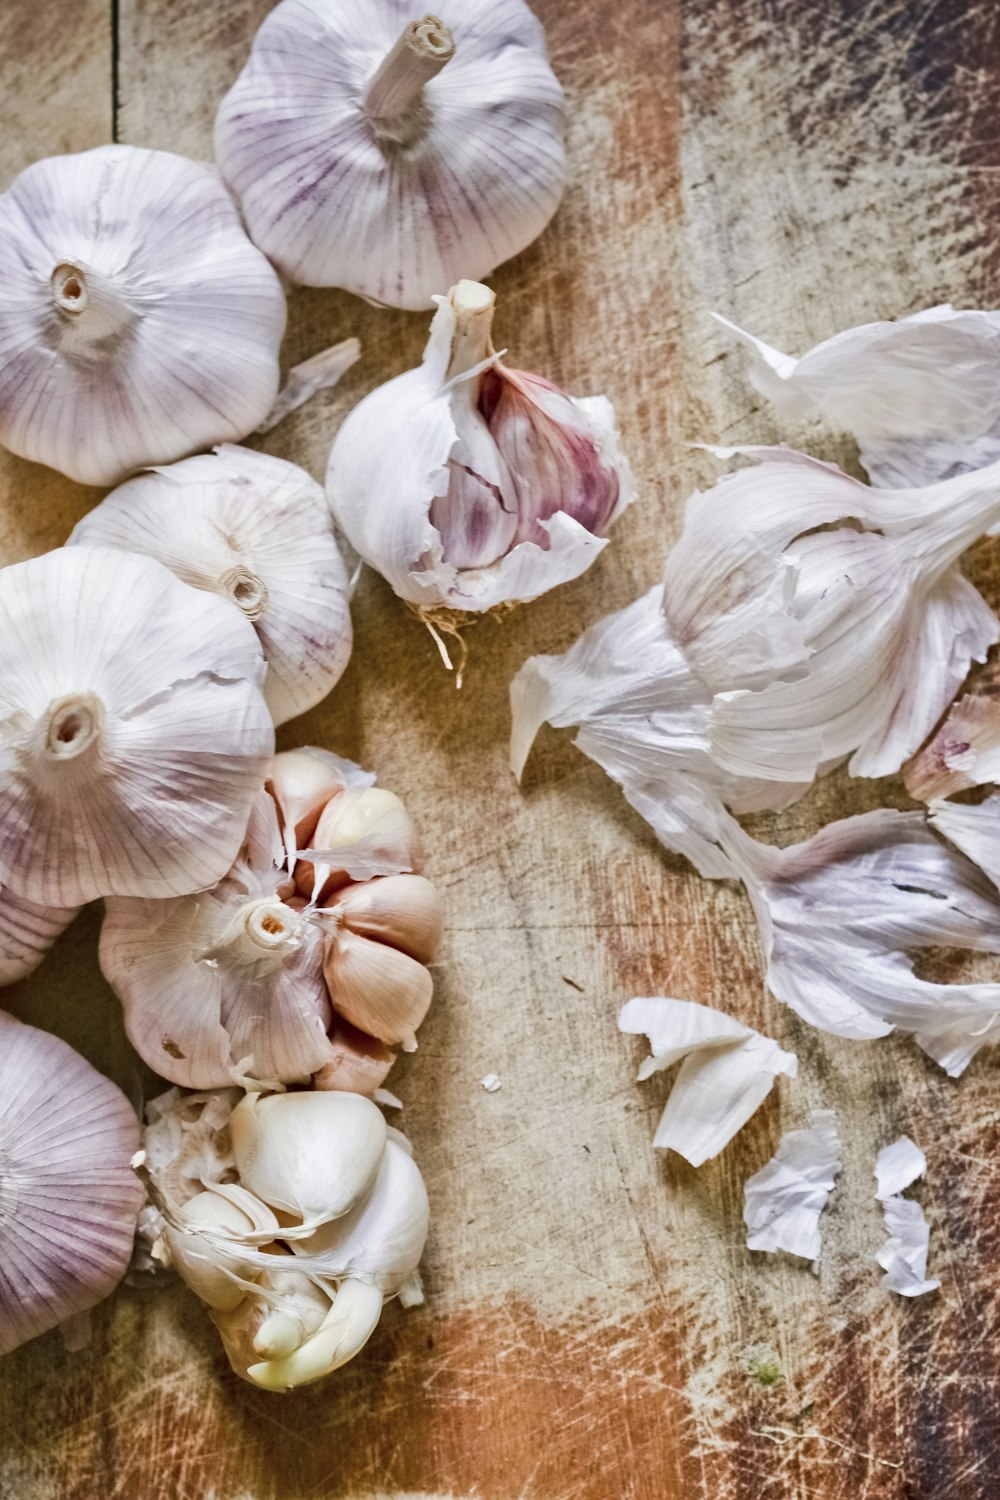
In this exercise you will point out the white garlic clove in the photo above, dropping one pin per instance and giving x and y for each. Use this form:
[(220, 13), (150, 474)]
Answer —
[(302, 782), (203, 1262), (311, 1154), (69, 1199), (361, 833), (496, 486), (138, 323), (378, 989), (254, 530), (402, 910), (383, 1239), (27, 932), (359, 1063), (391, 159), (350, 1323), (133, 730)]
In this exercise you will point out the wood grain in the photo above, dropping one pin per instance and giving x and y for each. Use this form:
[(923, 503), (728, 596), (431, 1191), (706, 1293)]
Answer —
[(594, 1319)]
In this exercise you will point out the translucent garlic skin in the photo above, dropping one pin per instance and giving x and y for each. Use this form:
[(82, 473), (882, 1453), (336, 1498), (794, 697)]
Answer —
[(446, 169), (255, 530), (137, 321), (468, 485)]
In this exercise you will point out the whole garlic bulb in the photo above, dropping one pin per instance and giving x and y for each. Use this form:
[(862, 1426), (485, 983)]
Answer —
[(255, 530), (137, 321), (133, 730), (469, 485), (68, 1197), (392, 158)]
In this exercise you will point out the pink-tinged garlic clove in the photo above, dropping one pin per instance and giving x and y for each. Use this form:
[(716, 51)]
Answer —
[(360, 1063), (402, 910), (361, 833), (377, 988), (302, 782)]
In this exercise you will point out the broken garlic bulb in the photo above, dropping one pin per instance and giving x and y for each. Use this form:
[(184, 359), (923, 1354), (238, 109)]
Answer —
[(137, 321), (255, 530), (468, 485), (133, 729), (391, 158)]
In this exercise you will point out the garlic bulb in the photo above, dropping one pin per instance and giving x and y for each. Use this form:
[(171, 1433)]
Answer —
[(255, 530), (27, 932), (68, 1197), (495, 485), (392, 158), (293, 1297), (134, 730), (137, 321)]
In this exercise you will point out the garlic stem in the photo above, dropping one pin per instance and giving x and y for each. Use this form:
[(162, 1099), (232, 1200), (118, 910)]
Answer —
[(72, 724), (266, 926), (246, 590), (473, 305), (93, 305), (69, 288), (393, 99)]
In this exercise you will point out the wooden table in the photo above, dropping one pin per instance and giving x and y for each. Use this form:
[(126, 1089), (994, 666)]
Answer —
[(594, 1322)]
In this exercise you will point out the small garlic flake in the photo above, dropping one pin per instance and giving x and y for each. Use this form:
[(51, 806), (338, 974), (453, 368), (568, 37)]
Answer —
[(784, 1200), (491, 1082)]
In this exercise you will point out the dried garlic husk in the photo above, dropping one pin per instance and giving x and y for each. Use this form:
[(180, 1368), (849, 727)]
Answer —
[(137, 321), (495, 485), (27, 932), (296, 1296), (903, 1257), (255, 530), (897, 1167), (727, 1072), (963, 752), (921, 395), (392, 158), (68, 1197), (782, 1202), (134, 729)]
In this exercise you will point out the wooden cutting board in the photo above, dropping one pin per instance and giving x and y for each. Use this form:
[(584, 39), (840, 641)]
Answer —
[(595, 1328)]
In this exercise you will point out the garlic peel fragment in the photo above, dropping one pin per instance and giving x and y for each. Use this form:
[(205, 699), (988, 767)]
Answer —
[(964, 752), (784, 1200), (897, 1167), (728, 1071), (321, 372), (973, 830), (903, 1257)]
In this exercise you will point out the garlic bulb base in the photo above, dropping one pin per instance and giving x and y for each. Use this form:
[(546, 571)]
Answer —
[(72, 724), (247, 591), (394, 98), (69, 288)]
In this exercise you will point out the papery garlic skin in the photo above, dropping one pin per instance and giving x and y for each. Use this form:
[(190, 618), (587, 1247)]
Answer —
[(494, 486), (137, 321), (782, 1203), (255, 530), (27, 932), (134, 734), (68, 1197), (391, 159)]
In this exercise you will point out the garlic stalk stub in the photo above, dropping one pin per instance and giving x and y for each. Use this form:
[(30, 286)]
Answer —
[(255, 530), (389, 153), (68, 1197), (133, 728), (137, 321), (469, 485)]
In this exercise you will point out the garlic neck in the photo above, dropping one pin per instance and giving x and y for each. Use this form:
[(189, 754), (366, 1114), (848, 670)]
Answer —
[(90, 307), (70, 727), (394, 96), (265, 928), (246, 590), (473, 305)]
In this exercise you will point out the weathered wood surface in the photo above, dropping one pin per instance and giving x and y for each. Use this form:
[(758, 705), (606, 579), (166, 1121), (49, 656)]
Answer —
[(592, 1310)]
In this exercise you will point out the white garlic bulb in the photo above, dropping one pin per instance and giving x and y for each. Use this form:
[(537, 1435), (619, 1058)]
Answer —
[(133, 730), (27, 932), (255, 530), (393, 158), (68, 1197), (137, 321), (469, 485)]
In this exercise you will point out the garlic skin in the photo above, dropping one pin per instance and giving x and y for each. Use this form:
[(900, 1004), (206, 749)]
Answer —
[(133, 730), (367, 828), (494, 487), (391, 158), (782, 1203), (27, 932), (68, 1197), (137, 321), (254, 530)]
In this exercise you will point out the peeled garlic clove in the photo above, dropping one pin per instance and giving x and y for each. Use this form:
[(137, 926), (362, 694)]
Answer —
[(402, 910), (69, 1199), (302, 782), (377, 988), (359, 1064), (362, 832), (496, 486), (138, 322), (383, 1239), (202, 1261), (255, 530), (133, 729), (391, 159), (350, 1323), (27, 932), (311, 1154)]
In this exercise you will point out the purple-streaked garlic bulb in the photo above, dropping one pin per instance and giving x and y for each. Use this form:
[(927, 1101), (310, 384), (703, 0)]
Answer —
[(389, 153), (27, 932), (69, 1199)]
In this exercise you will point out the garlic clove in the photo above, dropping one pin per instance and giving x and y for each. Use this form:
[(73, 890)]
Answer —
[(350, 1323), (27, 932), (391, 159), (402, 910), (201, 1261), (361, 833), (302, 782), (311, 1154), (133, 732), (138, 322), (359, 1063), (254, 530), (69, 1199), (383, 1239), (377, 988)]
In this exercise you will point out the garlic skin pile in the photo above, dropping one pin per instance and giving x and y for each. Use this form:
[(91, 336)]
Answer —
[(27, 932), (68, 1197), (294, 1297), (137, 321), (255, 530), (495, 486), (389, 154), (133, 729)]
